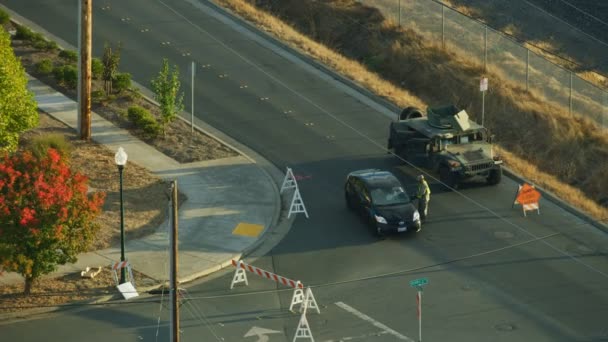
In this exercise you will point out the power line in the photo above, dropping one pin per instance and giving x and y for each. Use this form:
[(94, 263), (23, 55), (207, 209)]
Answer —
[(585, 12)]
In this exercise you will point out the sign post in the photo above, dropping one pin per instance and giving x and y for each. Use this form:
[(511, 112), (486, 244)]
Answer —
[(483, 87), (418, 284), (192, 99)]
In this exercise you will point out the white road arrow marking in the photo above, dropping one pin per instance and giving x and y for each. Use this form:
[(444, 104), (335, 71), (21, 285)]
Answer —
[(261, 333)]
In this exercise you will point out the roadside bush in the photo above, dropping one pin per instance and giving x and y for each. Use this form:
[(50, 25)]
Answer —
[(121, 82), (43, 44), (40, 145), (24, 33), (97, 95), (44, 67), (66, 75), (96, 68), (58, 73), (143, 119), (70, 76), (4, 17), (134, 94), (69, 56)]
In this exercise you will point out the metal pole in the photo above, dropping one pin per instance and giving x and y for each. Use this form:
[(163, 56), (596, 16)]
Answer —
[(443, 26), (419, 315), (85, 70), (122, 227), (483, 106), (79, 91), (571, 77), (192, 99), (399, 13), (485, 50), (527, 68), (174, 257)]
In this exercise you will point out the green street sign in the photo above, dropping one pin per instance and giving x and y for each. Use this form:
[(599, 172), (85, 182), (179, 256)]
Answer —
[(419, 282)]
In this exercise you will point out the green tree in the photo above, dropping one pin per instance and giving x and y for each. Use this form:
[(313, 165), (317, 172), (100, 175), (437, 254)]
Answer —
[(110, 61), (46, 215), (166, 91), (18, 109)]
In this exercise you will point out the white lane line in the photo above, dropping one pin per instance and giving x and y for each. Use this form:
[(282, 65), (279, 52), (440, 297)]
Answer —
[(373, 322)]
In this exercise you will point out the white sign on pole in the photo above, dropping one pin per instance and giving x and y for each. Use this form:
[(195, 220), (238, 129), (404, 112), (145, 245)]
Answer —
[(483, 84)]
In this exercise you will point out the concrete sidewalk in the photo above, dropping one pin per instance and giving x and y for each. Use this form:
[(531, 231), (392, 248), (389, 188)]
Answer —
[(223, 195)]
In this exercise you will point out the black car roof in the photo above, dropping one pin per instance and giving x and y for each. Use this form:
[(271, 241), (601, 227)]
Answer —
[(375, 177)]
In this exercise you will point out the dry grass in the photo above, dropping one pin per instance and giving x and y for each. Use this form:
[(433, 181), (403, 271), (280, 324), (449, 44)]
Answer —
[(567, 154), (552, 50)]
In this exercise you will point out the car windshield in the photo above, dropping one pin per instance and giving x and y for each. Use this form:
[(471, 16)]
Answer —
[(389, 195)]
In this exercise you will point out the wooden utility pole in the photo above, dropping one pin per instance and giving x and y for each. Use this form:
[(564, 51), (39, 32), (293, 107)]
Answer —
[(174, 288), (86, 50)]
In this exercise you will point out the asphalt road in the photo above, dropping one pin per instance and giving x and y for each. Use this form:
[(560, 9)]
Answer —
[(493, 273)]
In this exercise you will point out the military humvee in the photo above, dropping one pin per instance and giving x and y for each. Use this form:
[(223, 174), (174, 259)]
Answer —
[(447, 142)]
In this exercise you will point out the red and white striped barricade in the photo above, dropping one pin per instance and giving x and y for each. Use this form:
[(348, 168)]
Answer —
[(299, 297)]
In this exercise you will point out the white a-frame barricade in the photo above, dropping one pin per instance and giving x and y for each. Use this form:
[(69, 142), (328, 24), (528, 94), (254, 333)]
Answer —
[(303, 330), (289, 182), (297, 204), (305, 298)]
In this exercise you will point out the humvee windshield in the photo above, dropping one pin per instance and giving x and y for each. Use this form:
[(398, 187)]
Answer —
[(462, 139)]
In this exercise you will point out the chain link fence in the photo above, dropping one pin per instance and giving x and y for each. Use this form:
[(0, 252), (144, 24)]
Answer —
[(500, 53)]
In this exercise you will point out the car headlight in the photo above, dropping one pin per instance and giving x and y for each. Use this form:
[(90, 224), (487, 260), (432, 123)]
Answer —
[(380, 219), (416, 216)]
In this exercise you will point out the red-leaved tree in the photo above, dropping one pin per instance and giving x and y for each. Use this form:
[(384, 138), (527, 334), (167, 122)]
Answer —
[(46, 215)]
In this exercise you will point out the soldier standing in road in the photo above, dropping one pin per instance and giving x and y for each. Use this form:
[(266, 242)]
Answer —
[(424, 196)]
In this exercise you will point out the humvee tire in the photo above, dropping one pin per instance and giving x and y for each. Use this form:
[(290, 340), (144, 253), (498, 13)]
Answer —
[(447, 178), (410, 113), (495, 176)]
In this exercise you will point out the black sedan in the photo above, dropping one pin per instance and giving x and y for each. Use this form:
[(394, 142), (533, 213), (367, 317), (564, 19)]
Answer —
[(380, 198)]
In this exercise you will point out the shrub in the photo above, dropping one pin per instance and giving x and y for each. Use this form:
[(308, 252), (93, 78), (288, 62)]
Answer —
[(96, 68), (144, 120), (133, 94), (24, 33), (70, 56), (4, 17), (40, 145), (58, 73), (121, 82), (97, 95), (66, 75), (70, 76), (44, 44), (44, 67)]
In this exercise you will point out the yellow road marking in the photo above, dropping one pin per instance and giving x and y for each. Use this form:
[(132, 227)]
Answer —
[(248, 229)]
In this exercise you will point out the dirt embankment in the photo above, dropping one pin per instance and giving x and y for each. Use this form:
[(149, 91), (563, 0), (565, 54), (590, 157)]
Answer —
[(566, 154)]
